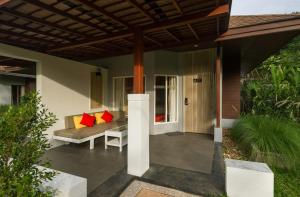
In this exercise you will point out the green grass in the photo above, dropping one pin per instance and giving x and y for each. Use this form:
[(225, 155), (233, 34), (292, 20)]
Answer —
[(279, 141), (287, 183), (268, 139)]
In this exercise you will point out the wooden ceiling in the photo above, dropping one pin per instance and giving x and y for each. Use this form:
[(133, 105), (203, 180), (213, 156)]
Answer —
[(91, 29)]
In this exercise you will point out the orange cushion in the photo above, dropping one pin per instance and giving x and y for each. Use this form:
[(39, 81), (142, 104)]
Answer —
[(77, 120), (99, 119)]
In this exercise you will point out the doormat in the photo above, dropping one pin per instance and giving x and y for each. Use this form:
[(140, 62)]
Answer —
[(143, 189)]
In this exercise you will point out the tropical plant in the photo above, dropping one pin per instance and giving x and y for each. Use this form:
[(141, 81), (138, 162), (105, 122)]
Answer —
[(22, 143), (273, 88), (272, 140)]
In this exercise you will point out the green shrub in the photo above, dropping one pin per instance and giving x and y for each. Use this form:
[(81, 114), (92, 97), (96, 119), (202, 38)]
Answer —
[(273, 88), (274, 141), (22, 143)]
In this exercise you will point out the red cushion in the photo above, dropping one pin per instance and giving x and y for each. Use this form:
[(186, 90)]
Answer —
[(159, 118), (107, 117), (87, 120)]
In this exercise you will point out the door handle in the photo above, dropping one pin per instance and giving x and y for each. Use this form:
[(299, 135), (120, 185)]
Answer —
[(186, 101)]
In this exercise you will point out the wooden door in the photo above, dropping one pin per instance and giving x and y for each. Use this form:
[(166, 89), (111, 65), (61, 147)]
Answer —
[(198, 82)]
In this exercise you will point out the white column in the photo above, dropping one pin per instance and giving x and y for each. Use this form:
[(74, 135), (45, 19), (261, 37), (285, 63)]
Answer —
[(138, 134)]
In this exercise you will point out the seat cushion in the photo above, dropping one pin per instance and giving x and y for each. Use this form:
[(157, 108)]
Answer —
[(77, 122), (99, 119), (107, 117), (85, 132), (88, 120)]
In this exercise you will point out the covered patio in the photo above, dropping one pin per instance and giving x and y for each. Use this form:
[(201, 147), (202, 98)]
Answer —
[(173, 165), (178, 61)]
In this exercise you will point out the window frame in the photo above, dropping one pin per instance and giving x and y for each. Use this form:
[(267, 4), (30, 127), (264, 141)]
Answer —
[(177, 98)]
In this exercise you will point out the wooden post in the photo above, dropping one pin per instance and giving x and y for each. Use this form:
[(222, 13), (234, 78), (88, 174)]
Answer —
[(218, 88), (138, 82)]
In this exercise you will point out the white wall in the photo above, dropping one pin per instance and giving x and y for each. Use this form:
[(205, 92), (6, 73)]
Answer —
[(64, 84), (156, 62)]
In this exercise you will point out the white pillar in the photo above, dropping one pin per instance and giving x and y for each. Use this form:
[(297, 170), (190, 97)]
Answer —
[(138, 134), (218, 134)]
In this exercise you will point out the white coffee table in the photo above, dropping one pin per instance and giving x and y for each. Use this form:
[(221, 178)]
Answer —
[(119, 136)]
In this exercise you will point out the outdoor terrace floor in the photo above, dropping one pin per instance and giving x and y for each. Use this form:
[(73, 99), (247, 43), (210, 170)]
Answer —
[(188, 162)]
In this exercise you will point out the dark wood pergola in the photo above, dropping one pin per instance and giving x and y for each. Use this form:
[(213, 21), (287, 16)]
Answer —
[(90, 29)]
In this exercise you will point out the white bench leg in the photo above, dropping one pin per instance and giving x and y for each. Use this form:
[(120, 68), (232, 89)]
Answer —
[(121, 144), (105, 142), (92, 144)]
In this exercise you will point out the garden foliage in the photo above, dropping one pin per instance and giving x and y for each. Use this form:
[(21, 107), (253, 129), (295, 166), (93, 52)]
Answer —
[(273, 88), (272, 140), (22, 143)]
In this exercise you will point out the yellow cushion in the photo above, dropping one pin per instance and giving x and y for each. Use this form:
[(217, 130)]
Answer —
[(98, 116), (77, 120)]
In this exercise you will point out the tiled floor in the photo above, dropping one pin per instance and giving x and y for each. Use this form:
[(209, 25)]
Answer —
[(96, 165), (106, 169)]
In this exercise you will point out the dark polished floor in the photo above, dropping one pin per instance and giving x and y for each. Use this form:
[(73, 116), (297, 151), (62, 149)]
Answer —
[(188, 162)]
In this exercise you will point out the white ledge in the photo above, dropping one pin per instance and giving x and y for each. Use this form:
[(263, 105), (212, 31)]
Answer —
[(138, 97), (248, 165)]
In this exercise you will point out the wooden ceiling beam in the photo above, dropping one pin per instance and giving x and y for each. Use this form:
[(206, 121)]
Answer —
[(65, 14), (30, 29), (153, 40), (38, 21), (205, 42), (193, 31), (20, 36), (219, 11), (177, 6), (99, 50), (173, 36), (103, 12), (36, 47), (135, 4), (94, 40), (182, 20)]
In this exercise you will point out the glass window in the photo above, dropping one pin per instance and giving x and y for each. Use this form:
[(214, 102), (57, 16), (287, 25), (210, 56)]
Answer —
[(122, 87), (165, 99)]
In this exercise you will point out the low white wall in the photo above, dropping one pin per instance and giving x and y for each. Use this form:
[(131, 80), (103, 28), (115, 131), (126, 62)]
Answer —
[(228, 123), (64, 84), (248, 179), (65, 185)]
